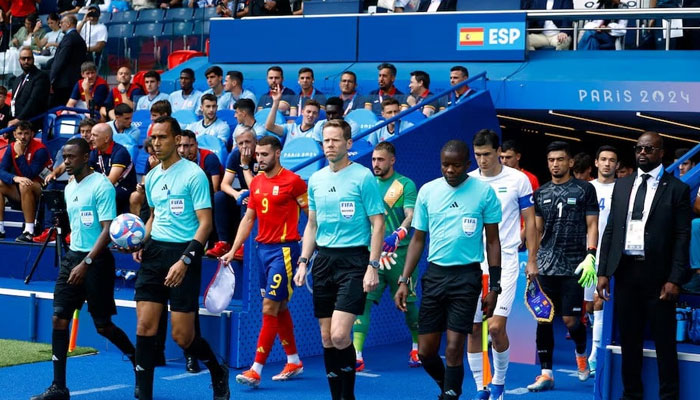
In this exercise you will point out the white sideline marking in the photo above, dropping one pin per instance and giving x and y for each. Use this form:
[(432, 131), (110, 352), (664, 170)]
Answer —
[(98, 390), (569, 372), (520, 390), (367, 374), (184, 375)]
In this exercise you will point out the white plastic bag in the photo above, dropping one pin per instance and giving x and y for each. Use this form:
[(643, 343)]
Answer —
[(220, 290)]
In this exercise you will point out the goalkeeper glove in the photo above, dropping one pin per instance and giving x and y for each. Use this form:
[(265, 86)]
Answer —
[(387, 260), (587, 270), (392, 241)]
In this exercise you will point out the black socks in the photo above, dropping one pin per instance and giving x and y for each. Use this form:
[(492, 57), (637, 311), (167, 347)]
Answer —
[(59, 348)]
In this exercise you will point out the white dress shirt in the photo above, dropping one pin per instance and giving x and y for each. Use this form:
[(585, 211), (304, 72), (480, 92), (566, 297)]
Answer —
[(652, 185)]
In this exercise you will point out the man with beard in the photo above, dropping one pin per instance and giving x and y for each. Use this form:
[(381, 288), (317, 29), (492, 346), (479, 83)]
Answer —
[(123, 93), (385, 80), (187, 98), (31, 95), (277, 196)]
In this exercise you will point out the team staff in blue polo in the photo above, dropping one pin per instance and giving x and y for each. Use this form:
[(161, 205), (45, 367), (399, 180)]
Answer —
[(456, 211)]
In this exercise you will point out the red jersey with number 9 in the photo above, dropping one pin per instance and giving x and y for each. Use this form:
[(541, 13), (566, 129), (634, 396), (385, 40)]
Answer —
[(277, 202)]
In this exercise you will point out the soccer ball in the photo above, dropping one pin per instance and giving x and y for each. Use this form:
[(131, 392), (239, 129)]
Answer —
[(127, 231)]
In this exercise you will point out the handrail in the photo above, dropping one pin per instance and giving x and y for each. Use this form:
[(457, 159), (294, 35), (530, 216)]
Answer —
[(683, 158), (50, 111), (398, 116), (594, 13)]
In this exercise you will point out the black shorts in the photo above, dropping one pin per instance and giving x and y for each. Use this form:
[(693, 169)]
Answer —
[(337, 280), (97, 287), (564, 292), (450, 297), (156, 261)]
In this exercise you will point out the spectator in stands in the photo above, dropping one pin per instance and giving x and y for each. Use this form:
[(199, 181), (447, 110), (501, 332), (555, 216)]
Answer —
[(241, 167), (66, 7), (202, 3), (348, 92), (583, 166), (22, 169), (275, 77), (30, 34), (659, 35), (270, 7), (624, 168), (93, 33), (245, 115), (143, 4), (334, 110), (686, 165), (103, 5), (91, 92), (187, 98), (152, 81), (122, 123), (510, 157), (5, 112), (124, 93), (168, 4), (20, 10), (551, 33), (65, 66), (113, 161), (138, 196), (308, 91), (50, 41), (225, 8), (603, 34), (432, 6), (159, 109), (210, 124), (289, 132), (420, 90), (386, 78), (233, 85), (390, 108), (215, 78), (459, 74), (188, 148)]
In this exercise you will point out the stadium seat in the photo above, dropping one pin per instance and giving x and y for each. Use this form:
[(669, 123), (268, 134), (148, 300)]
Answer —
[(204, 14), (124, 17), (128, 143), (105, 18), (145, 45), (414, 117), (261, 116), (178, 57), (300, 150), (360, 147), (141, 118), (185, 117), (44, 20), (229, 117), (117, 45), (364, 118), (177, 33), (200, 33), (151, 15), (213, 144), (179, 14)]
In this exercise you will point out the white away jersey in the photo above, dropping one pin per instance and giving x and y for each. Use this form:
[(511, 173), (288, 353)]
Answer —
[(604, 195)]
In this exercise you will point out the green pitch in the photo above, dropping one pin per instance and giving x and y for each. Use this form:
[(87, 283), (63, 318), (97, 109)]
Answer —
[(15, 352)]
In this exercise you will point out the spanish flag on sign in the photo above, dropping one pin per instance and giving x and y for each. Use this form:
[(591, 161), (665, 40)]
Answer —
[(471, 36)]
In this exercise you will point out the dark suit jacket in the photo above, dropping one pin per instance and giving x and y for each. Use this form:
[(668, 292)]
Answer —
[(257, 8), (70, 53), (666, 232), (558, 5), (33, 98), (445, 5)]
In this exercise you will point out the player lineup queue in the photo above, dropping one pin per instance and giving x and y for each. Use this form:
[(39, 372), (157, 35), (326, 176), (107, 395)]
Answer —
[(359, 221)]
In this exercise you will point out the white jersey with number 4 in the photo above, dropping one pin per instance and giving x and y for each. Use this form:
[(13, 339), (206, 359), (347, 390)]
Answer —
[(604, 194), (514, 191)]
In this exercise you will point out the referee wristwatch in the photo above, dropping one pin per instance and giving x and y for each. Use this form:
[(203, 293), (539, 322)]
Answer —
[(374, 264), (185, 259), (87, 260), (403, 279)]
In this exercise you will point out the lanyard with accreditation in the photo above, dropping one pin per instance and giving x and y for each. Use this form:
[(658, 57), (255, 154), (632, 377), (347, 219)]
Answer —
[(634, 239)]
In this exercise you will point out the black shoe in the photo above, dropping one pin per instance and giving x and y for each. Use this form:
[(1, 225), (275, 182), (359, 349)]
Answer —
[(221, 390), (160, 360), (54, 392), (191, 364), (25, 237)]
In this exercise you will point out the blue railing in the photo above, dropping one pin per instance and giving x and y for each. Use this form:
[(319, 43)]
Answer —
[(481, 76)]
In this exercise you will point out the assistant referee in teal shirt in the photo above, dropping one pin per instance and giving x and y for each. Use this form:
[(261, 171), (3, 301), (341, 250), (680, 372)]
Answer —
[(456, 211), (345, 211)]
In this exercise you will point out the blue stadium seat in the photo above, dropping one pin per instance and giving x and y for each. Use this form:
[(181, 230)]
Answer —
[(213, 144), (44, 20), (145, 46), (105, 18), (359, 148), (204, 14), (415, 117), (141, 120), (128, 143), (299, 150), (200, 34), (364, 118), (151, 15), (261, 116), (185, 117), (229, 116), (177, 33), (179, 14), (124, 17), (117, 45)]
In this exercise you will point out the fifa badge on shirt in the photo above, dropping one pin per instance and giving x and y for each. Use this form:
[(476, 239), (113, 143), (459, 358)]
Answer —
[(347, 209), (469, 225), (87, 218), (177, 206), (275, 190)]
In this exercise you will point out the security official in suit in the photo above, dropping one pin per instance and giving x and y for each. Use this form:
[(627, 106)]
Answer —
[(65, 66), (31, 93), (645, 247)]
